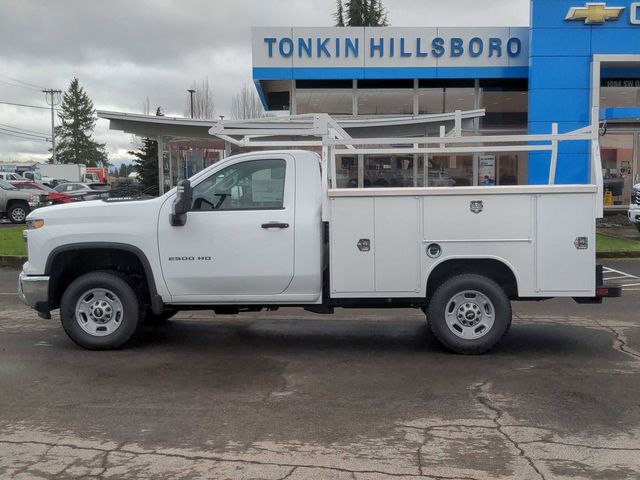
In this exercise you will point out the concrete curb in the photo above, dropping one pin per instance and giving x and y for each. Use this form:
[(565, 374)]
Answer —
[(12, 261), (618, 254)]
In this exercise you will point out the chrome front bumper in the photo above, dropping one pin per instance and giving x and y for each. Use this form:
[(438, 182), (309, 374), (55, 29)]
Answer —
[(34, 291)]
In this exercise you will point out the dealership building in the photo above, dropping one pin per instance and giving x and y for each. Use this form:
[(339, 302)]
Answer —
[(575, 63)]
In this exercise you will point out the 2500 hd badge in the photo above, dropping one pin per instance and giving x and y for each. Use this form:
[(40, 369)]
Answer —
[(189, 259)]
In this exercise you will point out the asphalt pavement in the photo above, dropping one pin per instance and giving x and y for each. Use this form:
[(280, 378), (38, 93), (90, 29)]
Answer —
[(364, 394)]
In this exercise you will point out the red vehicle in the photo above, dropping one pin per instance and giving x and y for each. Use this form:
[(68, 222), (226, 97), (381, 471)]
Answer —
[(96, 175), (55, 197)]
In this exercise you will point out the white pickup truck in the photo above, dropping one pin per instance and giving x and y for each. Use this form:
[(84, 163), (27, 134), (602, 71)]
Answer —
[(267, 230)]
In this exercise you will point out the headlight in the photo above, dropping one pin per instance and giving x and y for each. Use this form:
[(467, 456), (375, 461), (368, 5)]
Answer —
[(35, 223), (34, 199)]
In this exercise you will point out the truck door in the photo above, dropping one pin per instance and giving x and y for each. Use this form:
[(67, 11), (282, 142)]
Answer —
[(239, 235)]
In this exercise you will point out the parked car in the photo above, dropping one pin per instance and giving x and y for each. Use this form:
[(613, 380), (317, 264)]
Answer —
[(84, 191), (16, 204), (11, 176), (56, 198), (634, 207)]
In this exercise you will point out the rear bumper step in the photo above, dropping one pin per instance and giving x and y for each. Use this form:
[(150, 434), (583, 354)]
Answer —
[(603, 290)]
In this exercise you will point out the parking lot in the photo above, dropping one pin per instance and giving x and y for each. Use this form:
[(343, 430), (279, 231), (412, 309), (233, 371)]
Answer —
[(360, 395)]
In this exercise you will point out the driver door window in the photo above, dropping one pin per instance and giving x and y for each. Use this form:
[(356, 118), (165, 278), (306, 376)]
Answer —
[(252, 185)]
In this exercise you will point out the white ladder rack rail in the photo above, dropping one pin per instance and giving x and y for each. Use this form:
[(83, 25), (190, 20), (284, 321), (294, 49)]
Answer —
[(334, 140)]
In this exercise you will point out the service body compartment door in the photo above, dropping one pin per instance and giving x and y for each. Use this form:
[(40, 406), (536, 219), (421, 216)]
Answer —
[(375, 246), (562, 221), (397, 227), (352, 260)]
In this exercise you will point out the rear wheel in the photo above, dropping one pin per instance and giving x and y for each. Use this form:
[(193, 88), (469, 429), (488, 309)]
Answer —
[(100, 311), (469, 314), (18, 212)]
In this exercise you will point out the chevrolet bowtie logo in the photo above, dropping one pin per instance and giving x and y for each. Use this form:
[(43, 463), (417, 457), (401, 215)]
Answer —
[(594, 13)]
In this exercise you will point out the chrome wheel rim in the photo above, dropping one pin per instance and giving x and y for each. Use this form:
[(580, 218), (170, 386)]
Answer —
[(99, 312), (470, 314), (18, 214)]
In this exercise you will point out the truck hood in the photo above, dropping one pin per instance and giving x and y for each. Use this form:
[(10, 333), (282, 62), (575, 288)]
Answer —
[(92, 211)]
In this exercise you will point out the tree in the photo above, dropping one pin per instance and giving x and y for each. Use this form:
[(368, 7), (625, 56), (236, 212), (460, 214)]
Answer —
[(146, 162), (123, 171), (376, 14), (203, 106), (339, 14), (360, 13), (74, 134), (246, 104)]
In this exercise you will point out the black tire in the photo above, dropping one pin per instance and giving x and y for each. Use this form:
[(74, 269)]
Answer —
[(18, 212), (638, 226), (499, 308), (130, 318), (154, 320)]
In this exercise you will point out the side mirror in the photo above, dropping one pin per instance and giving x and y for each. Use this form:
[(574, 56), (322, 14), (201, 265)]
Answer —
[(181, 204)]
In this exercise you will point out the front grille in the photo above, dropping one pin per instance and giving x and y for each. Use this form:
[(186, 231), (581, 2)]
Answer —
[(635, 197)]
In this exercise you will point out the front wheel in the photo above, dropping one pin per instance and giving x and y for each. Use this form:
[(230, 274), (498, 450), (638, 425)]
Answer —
[(18, 212), (469, 314), (100, 311)]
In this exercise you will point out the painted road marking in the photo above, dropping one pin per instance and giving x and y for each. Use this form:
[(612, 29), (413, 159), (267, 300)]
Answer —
[(613, 274)]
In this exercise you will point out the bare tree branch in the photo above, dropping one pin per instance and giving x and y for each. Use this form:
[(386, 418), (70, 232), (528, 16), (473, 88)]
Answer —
[(246, 104), (203, 106)]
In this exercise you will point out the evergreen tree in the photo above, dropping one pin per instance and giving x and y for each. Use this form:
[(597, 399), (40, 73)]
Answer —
[(376, 14), (355, 13), (359, 13), (74, 134), (339, 15), (146, 162)]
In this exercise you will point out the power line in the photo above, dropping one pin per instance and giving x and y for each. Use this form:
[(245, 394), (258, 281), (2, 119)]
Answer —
[(24, 105), (23, 129), (19, 86), (32, 85), (24, 138), (10, 130)]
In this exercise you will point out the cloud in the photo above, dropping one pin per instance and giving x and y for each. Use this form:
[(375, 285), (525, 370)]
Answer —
[(125, 51)]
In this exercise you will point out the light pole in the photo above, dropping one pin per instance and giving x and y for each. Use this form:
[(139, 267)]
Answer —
[(54, 96), (191, 92)]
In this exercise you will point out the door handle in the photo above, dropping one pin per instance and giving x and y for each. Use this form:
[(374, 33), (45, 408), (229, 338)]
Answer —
[(275, 225)]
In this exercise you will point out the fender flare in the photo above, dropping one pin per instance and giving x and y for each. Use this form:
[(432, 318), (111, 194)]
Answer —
[(157, 305)]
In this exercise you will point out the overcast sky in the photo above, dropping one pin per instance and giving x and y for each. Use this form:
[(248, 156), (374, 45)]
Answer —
[(124, 51)]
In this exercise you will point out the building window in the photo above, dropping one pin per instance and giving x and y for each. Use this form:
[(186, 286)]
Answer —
[(505, 102), (619, 92), (334, 102), (334, 97), (385, 97), (445, 96)]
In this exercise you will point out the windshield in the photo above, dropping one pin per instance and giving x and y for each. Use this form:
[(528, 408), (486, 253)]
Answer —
[(6, 185)]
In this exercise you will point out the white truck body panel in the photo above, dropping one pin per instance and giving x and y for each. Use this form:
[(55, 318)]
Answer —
[(538, 238), (69, 171)]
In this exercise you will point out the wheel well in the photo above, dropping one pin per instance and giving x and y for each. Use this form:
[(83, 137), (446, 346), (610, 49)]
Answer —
[(68, 265), (15, 201), (493, 269)]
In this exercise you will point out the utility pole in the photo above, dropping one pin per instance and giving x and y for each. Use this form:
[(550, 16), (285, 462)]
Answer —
[(53, 99), (191, 92)]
